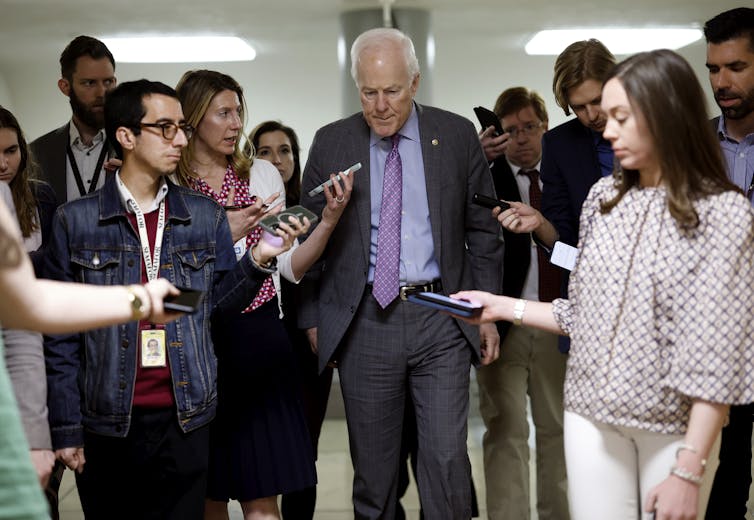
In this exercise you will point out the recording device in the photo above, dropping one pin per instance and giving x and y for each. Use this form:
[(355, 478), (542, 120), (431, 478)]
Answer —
[(319, 189), (271, 223), (489, 202), (488, 118), (188, 301), (463, 308)]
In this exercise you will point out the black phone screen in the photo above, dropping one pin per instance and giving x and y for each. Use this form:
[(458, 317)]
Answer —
[(188, 301)]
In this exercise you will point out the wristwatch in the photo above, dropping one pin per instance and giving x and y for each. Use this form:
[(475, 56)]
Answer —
[(138, 309)]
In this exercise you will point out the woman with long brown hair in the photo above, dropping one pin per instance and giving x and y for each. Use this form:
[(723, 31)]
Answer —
[(660, 304)]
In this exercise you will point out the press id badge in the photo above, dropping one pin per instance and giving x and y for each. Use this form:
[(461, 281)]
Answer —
[(153, 349)]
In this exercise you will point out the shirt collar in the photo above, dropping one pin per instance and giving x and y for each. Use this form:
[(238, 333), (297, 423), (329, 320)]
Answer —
[(722, 132), (409, 130), (74, 138), (517, 169), (125, 194)]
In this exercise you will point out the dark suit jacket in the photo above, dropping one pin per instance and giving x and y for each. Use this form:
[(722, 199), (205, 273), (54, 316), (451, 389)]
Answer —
[(50, 153), (465, 238), (517, 256), (569, 169)]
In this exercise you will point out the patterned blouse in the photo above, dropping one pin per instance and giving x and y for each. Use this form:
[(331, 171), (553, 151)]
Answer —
[(658, 316), (241, 196)]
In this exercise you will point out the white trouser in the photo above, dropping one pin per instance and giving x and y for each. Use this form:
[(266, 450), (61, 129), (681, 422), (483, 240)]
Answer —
[(611, 469)]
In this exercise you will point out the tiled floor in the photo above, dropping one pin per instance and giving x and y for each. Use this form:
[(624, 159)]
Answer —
[(335, 475), (335, 472)]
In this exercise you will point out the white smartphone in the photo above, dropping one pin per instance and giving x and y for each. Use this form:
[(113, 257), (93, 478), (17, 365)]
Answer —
[(328, 183)]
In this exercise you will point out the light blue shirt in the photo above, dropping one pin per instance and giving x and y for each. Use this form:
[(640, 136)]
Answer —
[(418, 262), (739, 158)]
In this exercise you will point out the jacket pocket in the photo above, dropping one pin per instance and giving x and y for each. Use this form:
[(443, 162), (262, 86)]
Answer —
[(195, 267), (98, 267)]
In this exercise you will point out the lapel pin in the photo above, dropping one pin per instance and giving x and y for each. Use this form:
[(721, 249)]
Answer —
[(435, 142)]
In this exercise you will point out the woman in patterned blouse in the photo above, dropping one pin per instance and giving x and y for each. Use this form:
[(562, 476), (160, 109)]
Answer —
[(260, 445), (661, 304)]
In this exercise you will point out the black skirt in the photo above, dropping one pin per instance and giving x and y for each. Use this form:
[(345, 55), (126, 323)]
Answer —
[(259, 442)]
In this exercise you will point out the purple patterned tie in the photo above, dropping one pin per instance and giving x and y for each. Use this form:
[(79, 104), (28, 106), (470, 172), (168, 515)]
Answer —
[(387, 267)]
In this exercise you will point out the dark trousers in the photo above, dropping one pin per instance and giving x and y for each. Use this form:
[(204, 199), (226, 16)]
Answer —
[(156, 472), (409, 451), (315, 392), (386, 353), (730, 490)]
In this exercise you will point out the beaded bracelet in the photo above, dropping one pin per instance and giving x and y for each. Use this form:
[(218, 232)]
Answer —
[(686, 475)]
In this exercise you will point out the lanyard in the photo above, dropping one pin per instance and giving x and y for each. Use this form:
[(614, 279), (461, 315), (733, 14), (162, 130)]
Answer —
[(97, 169), (151, 260)]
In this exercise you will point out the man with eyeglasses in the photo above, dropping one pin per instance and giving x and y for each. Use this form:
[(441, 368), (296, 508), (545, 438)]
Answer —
[(529, 362), (75, 158), (133, 423)]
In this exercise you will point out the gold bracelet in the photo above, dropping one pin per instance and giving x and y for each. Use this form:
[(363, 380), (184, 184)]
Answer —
[(518, 312), (138, 308)]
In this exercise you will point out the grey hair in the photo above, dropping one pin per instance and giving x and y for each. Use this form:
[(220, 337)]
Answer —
[(380, 38)]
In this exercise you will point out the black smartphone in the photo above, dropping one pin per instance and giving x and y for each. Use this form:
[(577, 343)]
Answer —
[(188, 301), (489, 202), (488, 118), (270, 223), (455, 306)]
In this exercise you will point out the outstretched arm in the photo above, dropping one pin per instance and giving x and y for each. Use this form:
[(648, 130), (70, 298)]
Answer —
[(56, 307)]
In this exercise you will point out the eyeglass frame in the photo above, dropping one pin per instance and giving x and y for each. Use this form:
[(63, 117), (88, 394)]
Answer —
[(186, 128), (528, 129)]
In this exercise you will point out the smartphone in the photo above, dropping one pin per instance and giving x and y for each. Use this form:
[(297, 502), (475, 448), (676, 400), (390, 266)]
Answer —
[(319, 189), (488, 118), (236, 207), (270, 223), (188, 301), (463, 308), (489, 202)]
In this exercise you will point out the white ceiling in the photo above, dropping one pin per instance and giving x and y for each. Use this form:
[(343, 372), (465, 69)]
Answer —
[(30, 29), (296, 77)]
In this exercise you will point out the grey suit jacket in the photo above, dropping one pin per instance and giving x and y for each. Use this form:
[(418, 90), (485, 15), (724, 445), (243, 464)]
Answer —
[(465, 236), (50, 153)]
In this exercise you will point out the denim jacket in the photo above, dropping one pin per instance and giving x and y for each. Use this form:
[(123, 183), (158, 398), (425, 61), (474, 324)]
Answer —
[(91, 376)]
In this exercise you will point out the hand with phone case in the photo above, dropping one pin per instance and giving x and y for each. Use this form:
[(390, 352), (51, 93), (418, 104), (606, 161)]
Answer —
[(492, 136)]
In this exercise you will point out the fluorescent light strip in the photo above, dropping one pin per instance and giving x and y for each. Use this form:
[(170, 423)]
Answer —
[(618, 40), (179, 49)]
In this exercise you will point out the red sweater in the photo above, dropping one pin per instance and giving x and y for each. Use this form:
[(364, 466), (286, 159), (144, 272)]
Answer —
[(154, 386)]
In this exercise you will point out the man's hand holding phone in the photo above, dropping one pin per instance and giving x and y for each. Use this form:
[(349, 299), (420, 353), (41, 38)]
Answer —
[(493, 144), (338, 194)]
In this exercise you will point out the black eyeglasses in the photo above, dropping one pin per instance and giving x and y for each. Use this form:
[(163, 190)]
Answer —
[(169, 130), (528, 129)]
